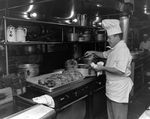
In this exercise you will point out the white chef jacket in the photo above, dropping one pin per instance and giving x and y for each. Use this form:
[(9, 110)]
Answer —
[(118, 87), (144, 45)]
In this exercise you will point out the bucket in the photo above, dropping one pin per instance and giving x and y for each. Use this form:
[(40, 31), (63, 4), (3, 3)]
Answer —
[(28, 70)]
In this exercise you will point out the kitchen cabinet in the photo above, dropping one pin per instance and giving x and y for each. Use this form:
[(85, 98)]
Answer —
[(46, 46), (98, 102), (137, 75), (84, 100)]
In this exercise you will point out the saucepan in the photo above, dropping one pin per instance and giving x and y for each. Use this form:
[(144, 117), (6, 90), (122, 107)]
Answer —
[(87, 59), (86, 70)]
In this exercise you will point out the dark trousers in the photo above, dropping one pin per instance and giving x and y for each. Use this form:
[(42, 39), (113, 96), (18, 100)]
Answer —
[(116, 110)]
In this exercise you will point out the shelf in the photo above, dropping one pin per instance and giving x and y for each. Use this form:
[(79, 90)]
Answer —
[(42, 42), (44, 22), (37, 42)]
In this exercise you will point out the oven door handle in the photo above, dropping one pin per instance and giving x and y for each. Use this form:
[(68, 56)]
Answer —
[(139, 66), (72, 103), (99, 89)]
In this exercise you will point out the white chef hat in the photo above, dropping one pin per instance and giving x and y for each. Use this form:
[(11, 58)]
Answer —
[(112, 26)]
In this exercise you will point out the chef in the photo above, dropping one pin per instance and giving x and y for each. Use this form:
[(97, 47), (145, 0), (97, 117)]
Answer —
[(117, 70), (145, 44)]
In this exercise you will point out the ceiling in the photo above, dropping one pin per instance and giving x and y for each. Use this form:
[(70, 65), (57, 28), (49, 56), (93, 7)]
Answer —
[(47, 9), (141, 9), (50, 10)]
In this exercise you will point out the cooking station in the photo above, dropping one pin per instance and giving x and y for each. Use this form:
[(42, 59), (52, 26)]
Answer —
[(45, 33), (78, 99)]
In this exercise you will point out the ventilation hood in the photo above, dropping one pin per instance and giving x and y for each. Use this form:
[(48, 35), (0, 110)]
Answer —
[(48, 10)]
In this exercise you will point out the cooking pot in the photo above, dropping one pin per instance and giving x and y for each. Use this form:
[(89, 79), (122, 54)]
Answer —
[(28, 70), (87, 37), (88, 59), (100, 35), (29, 49), (85, 70), (72, 36)]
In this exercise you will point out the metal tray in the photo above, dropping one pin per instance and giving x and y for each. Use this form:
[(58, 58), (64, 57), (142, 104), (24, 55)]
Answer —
[(34, 82)]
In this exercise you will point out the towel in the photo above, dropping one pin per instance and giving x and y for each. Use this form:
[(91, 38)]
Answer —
[(45, 99), (96, 65)]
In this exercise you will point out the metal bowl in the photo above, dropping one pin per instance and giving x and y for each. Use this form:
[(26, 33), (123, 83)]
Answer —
[(28, 70)]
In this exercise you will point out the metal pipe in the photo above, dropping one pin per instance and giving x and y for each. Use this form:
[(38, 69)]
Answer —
[(124, 23), (17, 6), (6, 47)]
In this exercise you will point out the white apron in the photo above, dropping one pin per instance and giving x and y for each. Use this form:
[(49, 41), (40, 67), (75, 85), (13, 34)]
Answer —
[(118, 90), (118, 87)]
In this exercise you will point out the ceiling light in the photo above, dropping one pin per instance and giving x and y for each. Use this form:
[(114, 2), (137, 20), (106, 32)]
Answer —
[(98, 5), (33, 15), (74, 20)]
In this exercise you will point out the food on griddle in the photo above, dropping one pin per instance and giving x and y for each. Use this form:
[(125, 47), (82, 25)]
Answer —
[(74, 74), (2, 96), (50, 83), (41, 82), (71, 63), (55, 80)]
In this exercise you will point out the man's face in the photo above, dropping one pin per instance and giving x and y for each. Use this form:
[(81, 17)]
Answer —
[(112, 40), (145, 38)]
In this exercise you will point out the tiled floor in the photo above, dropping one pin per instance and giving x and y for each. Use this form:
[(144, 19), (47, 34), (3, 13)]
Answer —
[(139, 101)]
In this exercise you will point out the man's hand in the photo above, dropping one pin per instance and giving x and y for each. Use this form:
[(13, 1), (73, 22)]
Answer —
[(88, 53), (99, 68)]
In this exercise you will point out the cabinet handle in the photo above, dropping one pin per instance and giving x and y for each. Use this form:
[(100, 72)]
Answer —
[(61, 99), (98, 83), (72, 103)]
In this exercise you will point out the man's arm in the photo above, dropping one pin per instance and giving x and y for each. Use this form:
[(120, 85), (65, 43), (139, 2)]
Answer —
[(97, 53), (113, 70)]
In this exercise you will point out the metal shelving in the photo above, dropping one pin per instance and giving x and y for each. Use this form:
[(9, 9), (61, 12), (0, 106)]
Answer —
[(6, 43)]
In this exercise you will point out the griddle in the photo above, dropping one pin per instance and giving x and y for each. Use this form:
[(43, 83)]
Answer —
[(34, 82)]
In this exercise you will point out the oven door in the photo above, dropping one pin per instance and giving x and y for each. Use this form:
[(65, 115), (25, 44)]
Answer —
[(72, 105), (138, 77), (98, 101), (74, 111)]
